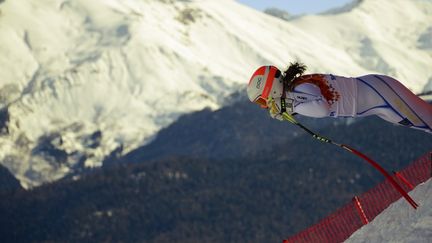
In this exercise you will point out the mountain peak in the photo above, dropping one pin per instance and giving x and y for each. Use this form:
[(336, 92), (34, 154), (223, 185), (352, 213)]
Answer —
[(345, 8)]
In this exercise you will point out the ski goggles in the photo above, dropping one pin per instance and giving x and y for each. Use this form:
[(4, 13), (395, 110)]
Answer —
[(262, 102)]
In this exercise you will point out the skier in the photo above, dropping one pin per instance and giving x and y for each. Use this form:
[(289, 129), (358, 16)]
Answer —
[(327, 95)]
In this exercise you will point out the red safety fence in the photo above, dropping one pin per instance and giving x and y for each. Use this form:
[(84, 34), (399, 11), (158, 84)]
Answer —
[(342, 223)]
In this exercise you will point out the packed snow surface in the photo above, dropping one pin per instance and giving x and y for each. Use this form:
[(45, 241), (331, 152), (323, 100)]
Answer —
[(80, 79), (400, 222)]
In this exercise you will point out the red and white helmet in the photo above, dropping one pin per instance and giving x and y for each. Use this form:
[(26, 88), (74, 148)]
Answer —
[(265, 82)]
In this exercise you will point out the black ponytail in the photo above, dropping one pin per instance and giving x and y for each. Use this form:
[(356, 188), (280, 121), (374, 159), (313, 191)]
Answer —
[(294, 70)]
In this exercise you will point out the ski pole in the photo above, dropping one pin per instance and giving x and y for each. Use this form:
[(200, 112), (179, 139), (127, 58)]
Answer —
[(289, 118)]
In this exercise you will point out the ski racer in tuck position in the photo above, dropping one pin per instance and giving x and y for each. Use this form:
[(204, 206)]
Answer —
[(327, 95)]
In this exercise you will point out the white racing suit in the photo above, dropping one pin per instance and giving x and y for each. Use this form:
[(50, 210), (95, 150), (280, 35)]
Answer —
[(319, 95)]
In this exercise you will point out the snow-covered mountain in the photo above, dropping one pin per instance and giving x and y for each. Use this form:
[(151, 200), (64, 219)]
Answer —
[(81, 79), (400, 223)]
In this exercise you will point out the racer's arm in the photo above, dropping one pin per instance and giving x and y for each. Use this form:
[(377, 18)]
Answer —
[(314, 108)]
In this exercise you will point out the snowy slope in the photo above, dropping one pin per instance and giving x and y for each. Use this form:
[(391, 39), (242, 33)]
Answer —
[(400, 223), (81, 79)]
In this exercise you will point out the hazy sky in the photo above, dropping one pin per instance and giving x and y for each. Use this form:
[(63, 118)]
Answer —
[(296, 6)]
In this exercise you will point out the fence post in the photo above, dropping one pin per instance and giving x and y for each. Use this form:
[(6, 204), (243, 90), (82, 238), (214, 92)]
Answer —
[(360, 210)]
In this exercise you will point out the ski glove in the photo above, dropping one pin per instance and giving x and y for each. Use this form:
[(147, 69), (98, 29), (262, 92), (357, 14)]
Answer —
[(275, 109)]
